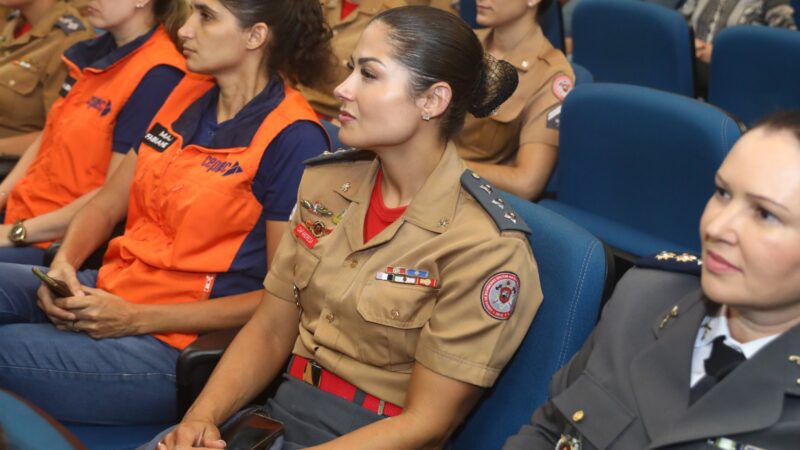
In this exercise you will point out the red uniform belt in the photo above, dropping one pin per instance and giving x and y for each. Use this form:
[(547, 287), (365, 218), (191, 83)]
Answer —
[(312, 373)]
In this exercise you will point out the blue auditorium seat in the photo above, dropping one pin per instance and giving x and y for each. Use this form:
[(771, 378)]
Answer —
[(796, 6), (755, 71), (573, 270), (636, 165), (582, 74), (26, 427), (632, 42)]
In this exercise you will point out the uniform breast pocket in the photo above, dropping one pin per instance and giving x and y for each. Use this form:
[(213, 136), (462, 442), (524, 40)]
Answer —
[(208, 219), (304, 266), (21, 80), (394, 316), (595, 413)]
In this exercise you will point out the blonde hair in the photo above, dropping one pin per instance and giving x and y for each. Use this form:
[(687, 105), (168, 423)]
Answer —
[(172, 14)]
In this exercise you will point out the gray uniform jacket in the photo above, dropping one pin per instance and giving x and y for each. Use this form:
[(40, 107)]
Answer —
[(628, 387)]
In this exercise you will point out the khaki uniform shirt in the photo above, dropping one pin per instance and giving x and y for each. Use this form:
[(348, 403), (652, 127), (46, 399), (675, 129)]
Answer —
[(345, 38), (531, 114), (5, 12), (31, 69), (370, 330)]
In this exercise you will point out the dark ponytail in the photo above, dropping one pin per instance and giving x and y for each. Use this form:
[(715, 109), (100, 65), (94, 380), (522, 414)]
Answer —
[(299, 46), (437, 46)]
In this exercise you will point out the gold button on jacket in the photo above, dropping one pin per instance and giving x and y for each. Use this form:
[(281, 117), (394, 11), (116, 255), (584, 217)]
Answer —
[(379, 328)]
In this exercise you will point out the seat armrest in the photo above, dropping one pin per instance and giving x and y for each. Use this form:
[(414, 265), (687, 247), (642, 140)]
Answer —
[(195, 364)]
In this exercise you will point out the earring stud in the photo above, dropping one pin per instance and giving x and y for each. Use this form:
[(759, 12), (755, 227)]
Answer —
[(426, 116)]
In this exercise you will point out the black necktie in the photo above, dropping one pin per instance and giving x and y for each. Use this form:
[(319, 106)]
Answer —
[(719, 364)]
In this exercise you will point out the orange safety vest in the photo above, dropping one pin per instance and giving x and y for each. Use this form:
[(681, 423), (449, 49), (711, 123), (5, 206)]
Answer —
[(76, 143), (190, 208)]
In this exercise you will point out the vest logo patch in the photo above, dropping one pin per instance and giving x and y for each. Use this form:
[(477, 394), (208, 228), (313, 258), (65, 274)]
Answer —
[(214, 165), (67, 86), (158, 138), (103, 106)]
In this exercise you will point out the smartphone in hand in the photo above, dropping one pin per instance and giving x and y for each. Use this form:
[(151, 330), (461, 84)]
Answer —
[(252, 431), (57, 287)]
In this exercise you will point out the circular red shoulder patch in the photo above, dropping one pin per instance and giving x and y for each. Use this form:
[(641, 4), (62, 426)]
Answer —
[(561, 86), (499, 295)]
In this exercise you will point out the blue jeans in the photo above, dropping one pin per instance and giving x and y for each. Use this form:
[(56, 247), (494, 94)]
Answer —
[(75, 378), (22, 255)]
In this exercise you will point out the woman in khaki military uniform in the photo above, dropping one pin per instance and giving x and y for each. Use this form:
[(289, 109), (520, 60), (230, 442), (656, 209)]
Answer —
[(411, 279), (516, 147), (31, 70), (347, 19)]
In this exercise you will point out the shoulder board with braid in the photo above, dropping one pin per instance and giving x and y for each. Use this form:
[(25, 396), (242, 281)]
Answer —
[(339, 155), (492, 200)]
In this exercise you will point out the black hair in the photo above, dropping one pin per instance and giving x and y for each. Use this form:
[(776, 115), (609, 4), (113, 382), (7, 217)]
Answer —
[(788, 120), (299, 47), (434, 46)]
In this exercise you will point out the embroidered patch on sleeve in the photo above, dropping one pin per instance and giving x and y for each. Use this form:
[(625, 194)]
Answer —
[(561, 86), (499, 295)]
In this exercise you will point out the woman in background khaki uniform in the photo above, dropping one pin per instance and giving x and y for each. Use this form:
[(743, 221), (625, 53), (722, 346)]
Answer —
[(31, 70), (516, 148), (347, 28)]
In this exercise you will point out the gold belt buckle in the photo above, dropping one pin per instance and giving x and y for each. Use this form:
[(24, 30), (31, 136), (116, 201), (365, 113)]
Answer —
[(312, 373)]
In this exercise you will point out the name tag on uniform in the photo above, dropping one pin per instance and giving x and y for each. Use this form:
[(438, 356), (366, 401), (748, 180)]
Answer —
[(306, 237), (158, 138), (67, 86)]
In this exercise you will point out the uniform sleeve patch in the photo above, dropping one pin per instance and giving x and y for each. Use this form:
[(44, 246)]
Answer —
[(562, 84), (554, 118), (69, 24), (499, 295)]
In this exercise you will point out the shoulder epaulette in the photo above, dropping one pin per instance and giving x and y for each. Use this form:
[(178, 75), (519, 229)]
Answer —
[(491, 199), (673, 262), (69, 24), (338, 156)]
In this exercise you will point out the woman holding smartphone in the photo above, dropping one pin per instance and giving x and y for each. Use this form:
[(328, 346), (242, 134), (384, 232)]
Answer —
[(402, 288), (206, 193)]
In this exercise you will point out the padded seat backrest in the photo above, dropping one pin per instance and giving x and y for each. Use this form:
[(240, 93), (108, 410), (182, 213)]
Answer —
[(632, 42), (641, 157), (755, 71), (573, 272)]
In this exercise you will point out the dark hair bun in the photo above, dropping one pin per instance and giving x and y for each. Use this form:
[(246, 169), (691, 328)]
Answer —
[(498, 81)]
